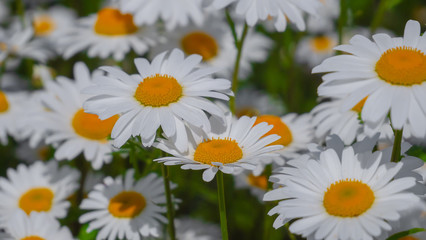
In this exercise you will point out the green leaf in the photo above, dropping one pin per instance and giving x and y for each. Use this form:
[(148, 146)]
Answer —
[(392, 3), (405, 233), (84, 235)]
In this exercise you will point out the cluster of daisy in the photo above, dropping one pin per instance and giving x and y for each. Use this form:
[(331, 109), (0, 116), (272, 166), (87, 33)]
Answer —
[(156, 81)]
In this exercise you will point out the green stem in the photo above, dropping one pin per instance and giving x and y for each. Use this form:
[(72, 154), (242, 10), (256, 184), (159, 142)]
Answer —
[(378, 16), (396, 150), (222, 207), (342, 20), (267, 222), (2, 71), (170, 208), (20, 11), (240, 44), (231, 26), (134, 161), (290, 235)]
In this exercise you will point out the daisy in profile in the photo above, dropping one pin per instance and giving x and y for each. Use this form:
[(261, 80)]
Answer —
[(69, 128), (109, 32), (390, 71), (35, 226), (11, 107), (312, 50), (41, 187), (193, 229), (177, 12), (281, 11), (124, 208), (325, 19), (295, 131), (341, 194), (253, 102), (169, 92), (258, 185), (231, 148)]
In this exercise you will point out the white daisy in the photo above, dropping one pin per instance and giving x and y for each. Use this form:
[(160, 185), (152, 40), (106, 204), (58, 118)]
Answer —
[(324, 20), (11, 107), (237, 146), (314, 49), (258, 185), (193, 229), (122, 208), (108, 33), (29, 154), (170, 92), (35, 226), (172, 12), (390, 71), (4, 12), (41, 187), (296, 133), (340, 195), (253, 102), (279, 10), (69, 127)]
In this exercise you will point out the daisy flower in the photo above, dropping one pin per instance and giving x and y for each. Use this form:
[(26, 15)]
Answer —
[(35, 226), (193, 229), (253, 102), (314, 49), (390, 71), (324, 20), (341, 194), (172, 12), (109, 32), (4, 12), (231, 148), (258, 185), (296, 133), (72, 130), (170, 92), (279, 10), (11, 107), (122, 208), (41, 187)]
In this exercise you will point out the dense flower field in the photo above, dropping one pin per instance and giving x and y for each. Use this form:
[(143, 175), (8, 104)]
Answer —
[(212, 119)]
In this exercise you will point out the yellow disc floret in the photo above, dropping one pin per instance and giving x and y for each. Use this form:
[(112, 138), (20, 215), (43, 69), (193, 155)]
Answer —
[(402, 66), (348, 198), (200, 43), (408, 238), (112, 22), (322, 44), (4, 104), (218, 150), (90, 126), (280, 128), (258, 181), (158, 91), (43, 25), (358, 107), (127, 204), (36, 199), (32, 238)]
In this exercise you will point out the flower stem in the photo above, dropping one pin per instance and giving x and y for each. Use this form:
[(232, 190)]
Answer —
[(239, 44), (396, 150), (222, 207), (170, 208), (378, 17), (342, 19), (20, 11)]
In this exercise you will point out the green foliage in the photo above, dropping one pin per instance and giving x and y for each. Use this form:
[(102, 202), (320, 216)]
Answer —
[(84, 235), (405, 233)]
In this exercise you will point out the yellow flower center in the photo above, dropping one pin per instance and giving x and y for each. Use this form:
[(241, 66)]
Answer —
[(322, 44), (32, 238), (127, 204), (218, 150), (358, 107), (4, 104), (280, 128), (36, 199), (200, 43), (348, 198), (408, 238), (3, 46), (112, 22), (402, 66), (90, 126), (158, 91), (258, 181), (43, 25)]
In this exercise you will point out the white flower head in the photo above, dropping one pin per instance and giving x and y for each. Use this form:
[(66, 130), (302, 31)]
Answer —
[(11, 107), (170, 92)]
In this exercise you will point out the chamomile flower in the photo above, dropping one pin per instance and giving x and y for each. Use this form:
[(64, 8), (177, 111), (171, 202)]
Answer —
[(11, 107), (258, 185), (296, 132), (324, 20), (41, 187), (340, 195), (231, 148), (253, 102), (35, 226), (172, 12), (193, 229), (279, 10), (70, 128), (314, 49), (124, 208), (4, 12), (107, 33), (390, 71), (170, 92)]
